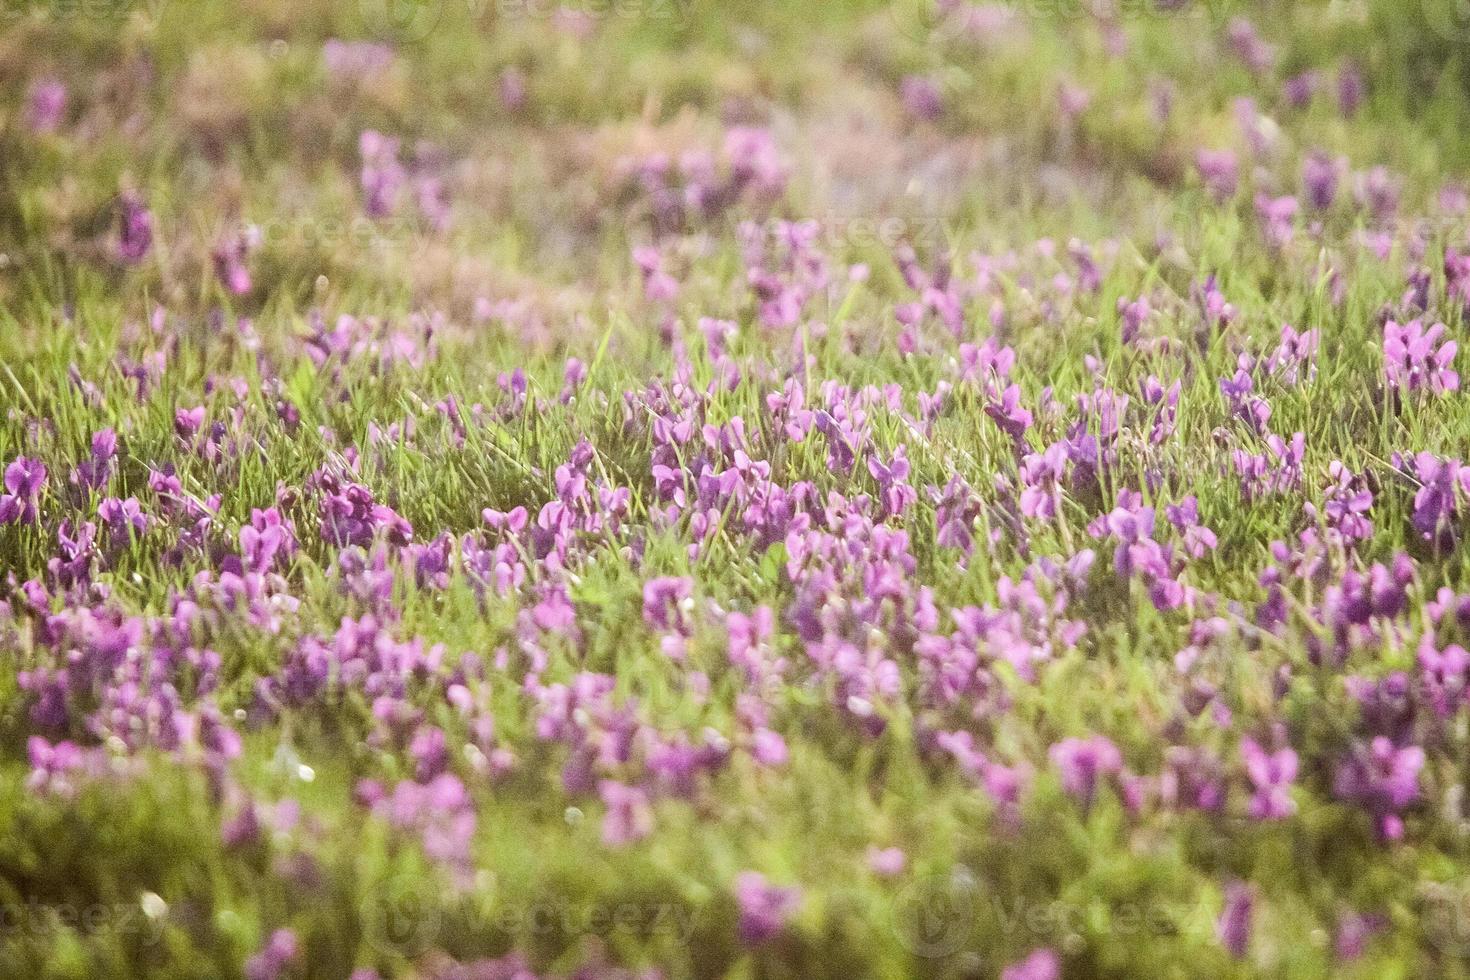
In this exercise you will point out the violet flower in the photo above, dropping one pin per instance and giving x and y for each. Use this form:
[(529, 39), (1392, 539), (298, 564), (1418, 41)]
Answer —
[(1083, 763), (1233, 928), (764, 908)]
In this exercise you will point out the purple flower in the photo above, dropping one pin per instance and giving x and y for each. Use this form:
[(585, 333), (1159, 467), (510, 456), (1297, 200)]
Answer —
[(1349, 89), (1441, 483), (135, 228), (666, 602), (1277, 216), (1299, 89), (1346, 504), (887, 862), (1354, 931), (1184, 516), (1412, 362), (230, 257), (24, 481), (94, 473), (1249, 47), (1009, 414), (46, 105), (123, 520), (1383, 779), (382, 177), (764, 908), (921, 97), (513, 89), (1271, 774), (1043, 964), (1220, 170), (1234, 925), (356, 60), (629, 817), (1083, 762), (281, 952), (1073, 100)]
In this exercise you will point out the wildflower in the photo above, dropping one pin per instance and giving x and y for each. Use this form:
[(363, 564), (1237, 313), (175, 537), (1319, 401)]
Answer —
[(887, 861), (1436, 503), (24, 481), (1234, 925), (1220, 172), (1320, 175), (281, 952), (666, 602), (46, 105), (1043, 964), (1271, 774), (764, 908), (1383, 779), (629, 817), (1412, 362), (382, 177), (1083, 762), (229, 260), (135, 228), (1300, 88), (1277, 216), (921, 97)]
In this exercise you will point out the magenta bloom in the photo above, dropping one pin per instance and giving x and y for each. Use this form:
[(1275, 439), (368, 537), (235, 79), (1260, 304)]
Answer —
[(1442, 482), (135, 228), (230, 258), (1320, 177), (1271, 774), (281, 951), (629, 817), (1083, 762), (887, 861), (764, 908), (1234, 925), (1277, 216), (665, 601), (1220, 170), (382, 177), (24, 481), (921, 97), (1043, 964), (47, 105), (1413, 362), (1383, 779)]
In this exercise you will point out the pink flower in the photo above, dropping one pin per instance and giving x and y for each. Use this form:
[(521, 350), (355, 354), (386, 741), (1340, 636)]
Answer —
[(764, 908)]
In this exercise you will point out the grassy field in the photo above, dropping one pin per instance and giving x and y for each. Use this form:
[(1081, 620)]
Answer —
[(683, 488)]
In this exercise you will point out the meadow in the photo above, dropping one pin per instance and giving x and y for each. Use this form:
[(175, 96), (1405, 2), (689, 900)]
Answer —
[(509, 489)]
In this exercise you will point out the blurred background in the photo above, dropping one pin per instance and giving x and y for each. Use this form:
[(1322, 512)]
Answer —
[(541, 141)]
